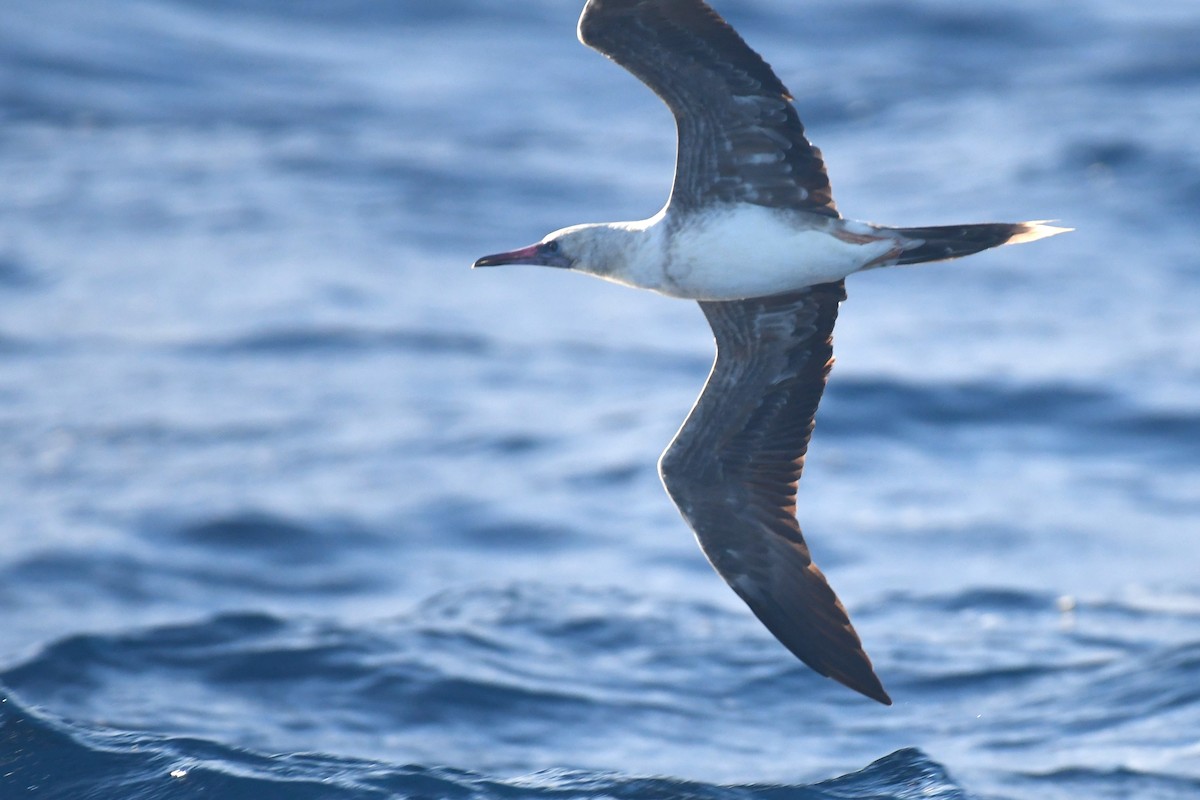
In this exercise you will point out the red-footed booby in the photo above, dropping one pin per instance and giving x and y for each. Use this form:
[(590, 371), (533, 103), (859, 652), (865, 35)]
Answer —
[(752, 233)]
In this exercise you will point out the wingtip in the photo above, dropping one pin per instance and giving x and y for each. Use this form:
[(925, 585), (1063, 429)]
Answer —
[(880, 695), (866, 684)]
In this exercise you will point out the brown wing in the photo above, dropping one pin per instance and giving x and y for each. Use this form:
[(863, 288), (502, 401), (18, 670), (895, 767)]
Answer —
[(733, 467), (740, 139)]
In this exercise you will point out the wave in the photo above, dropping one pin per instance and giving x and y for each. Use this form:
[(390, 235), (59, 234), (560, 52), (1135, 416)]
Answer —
[(534, 679), (344, 339), (61, 760), (1118, 783)]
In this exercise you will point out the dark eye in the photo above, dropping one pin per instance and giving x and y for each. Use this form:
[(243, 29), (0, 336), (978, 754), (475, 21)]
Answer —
[(550, 247)]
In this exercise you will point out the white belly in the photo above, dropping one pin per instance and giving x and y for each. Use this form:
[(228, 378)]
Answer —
[(752, 251)]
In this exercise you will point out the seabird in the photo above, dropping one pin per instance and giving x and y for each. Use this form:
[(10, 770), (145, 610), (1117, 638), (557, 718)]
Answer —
[(752, 233)]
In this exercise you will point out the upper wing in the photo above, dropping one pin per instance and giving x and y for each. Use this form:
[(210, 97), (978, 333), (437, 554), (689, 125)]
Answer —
[(732, 470), (740, 139)]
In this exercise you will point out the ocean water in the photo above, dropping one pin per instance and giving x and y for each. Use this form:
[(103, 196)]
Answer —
[(295, 505)]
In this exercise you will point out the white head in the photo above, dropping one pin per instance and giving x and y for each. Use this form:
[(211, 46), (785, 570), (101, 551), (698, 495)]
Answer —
[(601, 249)]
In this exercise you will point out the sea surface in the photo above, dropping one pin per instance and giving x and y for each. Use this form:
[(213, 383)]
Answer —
[(295, 505)]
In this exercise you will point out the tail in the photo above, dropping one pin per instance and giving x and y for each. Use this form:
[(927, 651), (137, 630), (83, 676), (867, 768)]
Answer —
[(953, 241)]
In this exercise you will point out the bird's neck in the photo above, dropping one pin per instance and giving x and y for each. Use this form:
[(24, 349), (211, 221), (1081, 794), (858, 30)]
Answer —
[(628, 253)]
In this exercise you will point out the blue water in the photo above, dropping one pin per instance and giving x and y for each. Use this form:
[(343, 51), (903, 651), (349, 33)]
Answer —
[(297, 506)]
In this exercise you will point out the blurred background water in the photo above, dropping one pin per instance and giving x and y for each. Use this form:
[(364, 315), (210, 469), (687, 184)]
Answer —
[(295, 505)]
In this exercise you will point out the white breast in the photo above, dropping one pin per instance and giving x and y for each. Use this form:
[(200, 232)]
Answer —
[(752, 251)]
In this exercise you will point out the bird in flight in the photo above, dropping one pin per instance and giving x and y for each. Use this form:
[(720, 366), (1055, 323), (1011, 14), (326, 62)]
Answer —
[(750, 231)]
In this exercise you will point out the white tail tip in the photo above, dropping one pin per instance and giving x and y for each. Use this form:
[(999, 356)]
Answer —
[(1032, 231)]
